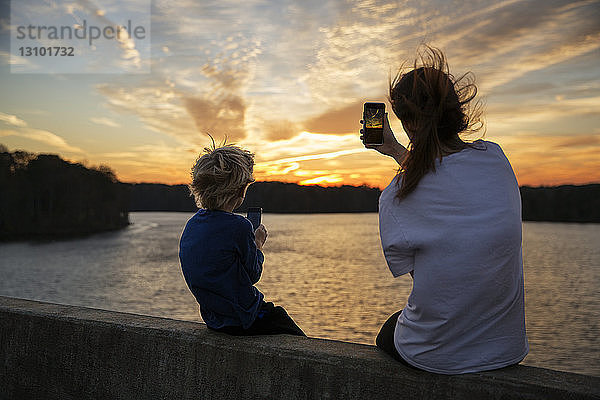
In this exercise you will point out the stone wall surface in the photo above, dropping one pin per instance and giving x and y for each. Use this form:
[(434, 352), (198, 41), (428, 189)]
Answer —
[(56, 351)]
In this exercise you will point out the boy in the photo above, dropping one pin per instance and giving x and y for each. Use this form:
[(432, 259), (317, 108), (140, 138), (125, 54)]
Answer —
[(220, 253)]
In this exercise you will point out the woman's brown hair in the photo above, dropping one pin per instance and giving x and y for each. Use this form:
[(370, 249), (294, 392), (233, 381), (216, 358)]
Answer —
[(434, 108)]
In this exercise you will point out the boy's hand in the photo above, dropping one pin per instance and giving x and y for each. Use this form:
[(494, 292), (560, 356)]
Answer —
[(260, 236)]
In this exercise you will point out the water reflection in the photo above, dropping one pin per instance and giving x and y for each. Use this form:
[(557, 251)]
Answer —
[(327, 270)]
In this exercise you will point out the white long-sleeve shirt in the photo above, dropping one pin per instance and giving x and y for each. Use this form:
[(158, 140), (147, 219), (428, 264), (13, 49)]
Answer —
[(460, 232)]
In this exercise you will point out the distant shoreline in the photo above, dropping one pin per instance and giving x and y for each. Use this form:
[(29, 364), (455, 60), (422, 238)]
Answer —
[(565, 203), (50, 198), (45, 197), (319, 213), (50, 237)]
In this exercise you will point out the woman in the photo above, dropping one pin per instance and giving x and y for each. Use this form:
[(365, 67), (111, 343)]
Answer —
[(452, 219)]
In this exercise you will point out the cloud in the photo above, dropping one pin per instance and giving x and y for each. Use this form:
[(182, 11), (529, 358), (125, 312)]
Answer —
[(527, 62), (223, 117), (310, 156), (308, 66), (577, 141), (520, 38), (304, 144), (12, 120), (350, 167), (499, 41), (553, 159), (302, 153), (129, 57), (288, 80), (280, 130), (105, 121), (154, 102), (17, 62), (507, 115), (120, 154), (342, 120), (156, 162), (195, 88), (43, 136), (39, 135), (526, 88), (322, 156), (227, 79), (328, 179)]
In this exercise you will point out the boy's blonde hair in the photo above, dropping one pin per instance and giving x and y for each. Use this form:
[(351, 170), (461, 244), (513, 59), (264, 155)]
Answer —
[(220, 175)]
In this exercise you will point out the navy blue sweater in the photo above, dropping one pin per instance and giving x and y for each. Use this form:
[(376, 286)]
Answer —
[(221, 264)]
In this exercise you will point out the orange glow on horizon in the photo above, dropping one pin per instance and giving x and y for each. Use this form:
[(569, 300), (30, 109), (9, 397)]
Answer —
[(301, 119), (551, 161), (525, 177), (328, 179)]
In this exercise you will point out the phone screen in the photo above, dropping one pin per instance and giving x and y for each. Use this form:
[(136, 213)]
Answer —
[(373, 123), (254, 215), (374, 118)]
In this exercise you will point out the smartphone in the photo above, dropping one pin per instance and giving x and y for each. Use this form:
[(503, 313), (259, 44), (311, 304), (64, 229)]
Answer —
[(254, 215), (373, 123)]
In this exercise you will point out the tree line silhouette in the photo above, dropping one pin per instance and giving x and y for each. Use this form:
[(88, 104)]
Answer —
[(42, 195), (275, 197), (567, 203)]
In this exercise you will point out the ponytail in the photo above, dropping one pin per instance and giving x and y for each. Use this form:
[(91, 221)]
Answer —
[(434, 110)]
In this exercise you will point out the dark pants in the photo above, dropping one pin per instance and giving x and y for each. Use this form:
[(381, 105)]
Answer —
[(271, 320), (385, 339)]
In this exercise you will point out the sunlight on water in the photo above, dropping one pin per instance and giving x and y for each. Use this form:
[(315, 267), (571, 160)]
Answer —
[(327, 270)]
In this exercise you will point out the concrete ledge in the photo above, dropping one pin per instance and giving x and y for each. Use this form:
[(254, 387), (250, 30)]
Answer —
[(65, 352)]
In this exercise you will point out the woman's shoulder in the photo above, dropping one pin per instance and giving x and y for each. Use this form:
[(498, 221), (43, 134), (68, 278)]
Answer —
[(478, 147), (388, 199), (481, 144), (495, 149)]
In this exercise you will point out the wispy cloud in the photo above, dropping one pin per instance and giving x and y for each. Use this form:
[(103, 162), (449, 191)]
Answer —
[(322, 156), (152, 162), (23, 130), (188, 95), (16, 61), (105, 121), (324, 179), (12, 120), (342, 120), (553, 160), (43, 136), (280, 129), (224, 117), (287, 80)]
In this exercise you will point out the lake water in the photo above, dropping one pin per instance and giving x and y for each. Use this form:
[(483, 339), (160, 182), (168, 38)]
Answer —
[(327, 270)]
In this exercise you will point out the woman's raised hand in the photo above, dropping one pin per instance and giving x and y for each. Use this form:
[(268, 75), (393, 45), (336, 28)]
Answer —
[(390, 147)]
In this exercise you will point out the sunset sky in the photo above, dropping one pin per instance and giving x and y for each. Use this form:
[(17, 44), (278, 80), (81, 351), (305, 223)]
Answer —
[(287, 80)]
